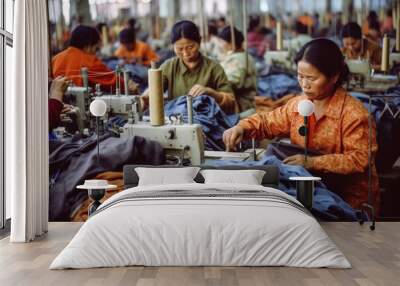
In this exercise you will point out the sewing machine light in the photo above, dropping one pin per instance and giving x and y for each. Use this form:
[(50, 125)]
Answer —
[(98, 107), (305, 107)]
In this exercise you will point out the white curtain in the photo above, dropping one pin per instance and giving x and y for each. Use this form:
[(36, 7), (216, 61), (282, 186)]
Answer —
[(27, 123)]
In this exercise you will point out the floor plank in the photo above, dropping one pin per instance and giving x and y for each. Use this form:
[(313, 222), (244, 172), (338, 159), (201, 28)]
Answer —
[(374, 255)]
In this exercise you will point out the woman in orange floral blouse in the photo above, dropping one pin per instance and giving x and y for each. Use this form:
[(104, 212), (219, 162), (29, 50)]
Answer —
[(338, 128)]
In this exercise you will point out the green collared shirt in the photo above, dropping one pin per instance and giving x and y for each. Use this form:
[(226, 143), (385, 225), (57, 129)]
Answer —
[(178, 79)]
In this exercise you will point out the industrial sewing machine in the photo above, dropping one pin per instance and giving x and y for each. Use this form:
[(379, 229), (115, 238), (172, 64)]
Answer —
[(362, 78), (394, 59), (79, 97), (179, 140), (126, 106), (280, 58)]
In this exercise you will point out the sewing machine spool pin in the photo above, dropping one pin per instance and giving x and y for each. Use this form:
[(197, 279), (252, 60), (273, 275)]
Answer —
[(189, 100)]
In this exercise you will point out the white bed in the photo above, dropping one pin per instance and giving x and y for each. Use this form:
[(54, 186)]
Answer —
[(264, 229)]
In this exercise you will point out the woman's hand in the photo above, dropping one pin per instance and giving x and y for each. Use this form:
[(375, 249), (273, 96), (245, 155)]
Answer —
[(67, 108), (298, 160), (198, 89), (232, 137), (133, 87), (58, 87)]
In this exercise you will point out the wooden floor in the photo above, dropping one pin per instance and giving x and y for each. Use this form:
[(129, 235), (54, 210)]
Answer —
[(375, 257)]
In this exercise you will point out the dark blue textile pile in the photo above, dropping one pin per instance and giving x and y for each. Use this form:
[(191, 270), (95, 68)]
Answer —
[(277, 85), (326, 206)]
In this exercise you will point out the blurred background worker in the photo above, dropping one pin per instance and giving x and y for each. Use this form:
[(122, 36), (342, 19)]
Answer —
[(133, 51), (84, 43), (356, 47)]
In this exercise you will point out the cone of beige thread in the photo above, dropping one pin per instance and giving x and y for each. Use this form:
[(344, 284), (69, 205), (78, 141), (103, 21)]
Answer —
[(279, 36), (385, 54), (156, 99)]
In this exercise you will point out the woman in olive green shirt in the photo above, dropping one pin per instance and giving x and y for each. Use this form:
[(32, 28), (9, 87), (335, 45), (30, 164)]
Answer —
[(191, 73)]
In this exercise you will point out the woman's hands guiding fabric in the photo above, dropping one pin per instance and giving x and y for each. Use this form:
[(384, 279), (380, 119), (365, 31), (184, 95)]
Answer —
[(233, 137), (198, 90), (298, 160)]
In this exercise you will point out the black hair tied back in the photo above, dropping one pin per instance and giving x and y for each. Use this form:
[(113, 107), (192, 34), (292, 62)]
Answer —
[(326, 56), (185, 29)]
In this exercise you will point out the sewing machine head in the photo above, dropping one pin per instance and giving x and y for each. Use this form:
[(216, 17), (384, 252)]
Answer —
[(394, 59), (80, 97), (182, 142), (279, 58), (124, 105), (360, 72)]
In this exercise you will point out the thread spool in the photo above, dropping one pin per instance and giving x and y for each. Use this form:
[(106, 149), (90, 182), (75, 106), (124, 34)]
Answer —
[(360, 18), (118, 82), (189, 101), (397, 34), (385, 54), (279, 40), (104, 36), (126, 80), (394, 13), (156, 99)]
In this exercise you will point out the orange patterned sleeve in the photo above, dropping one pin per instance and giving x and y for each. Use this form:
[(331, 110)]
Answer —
[(269, 124), (354, 158)]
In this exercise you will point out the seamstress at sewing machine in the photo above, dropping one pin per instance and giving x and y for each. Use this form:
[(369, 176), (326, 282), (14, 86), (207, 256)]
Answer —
[(356, 47), (133, 51), (84, 43), (191, 73), (243, 79), (338, 128)]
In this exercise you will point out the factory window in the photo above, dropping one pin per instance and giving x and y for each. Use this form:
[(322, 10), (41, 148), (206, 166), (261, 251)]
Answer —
[(6, 44)]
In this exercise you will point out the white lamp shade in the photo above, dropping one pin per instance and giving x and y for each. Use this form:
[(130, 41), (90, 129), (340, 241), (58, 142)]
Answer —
[(305, 107), (98, 107)]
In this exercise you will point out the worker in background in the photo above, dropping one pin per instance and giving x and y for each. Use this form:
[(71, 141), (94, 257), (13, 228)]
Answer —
[(191, 73), (221, 23), (212, 47), (374, 33), (356, 47), (372, 17), (107, 48), (243, 79), (256, 40), (300, 38), (84, 43), (338, 128), (133, 51), (140, 34), (387, 24)]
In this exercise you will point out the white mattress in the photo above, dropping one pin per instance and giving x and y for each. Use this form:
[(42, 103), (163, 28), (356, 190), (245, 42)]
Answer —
[(203, 231)]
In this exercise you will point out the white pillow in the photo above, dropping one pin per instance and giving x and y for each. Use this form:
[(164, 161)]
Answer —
[(248, 177), (166, 176)]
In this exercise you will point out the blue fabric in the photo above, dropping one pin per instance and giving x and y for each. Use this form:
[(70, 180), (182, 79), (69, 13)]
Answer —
[(394, 91), (208, 114), (138, 73), (327, 205), (377, 104), (277, 85), (388, 127)]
